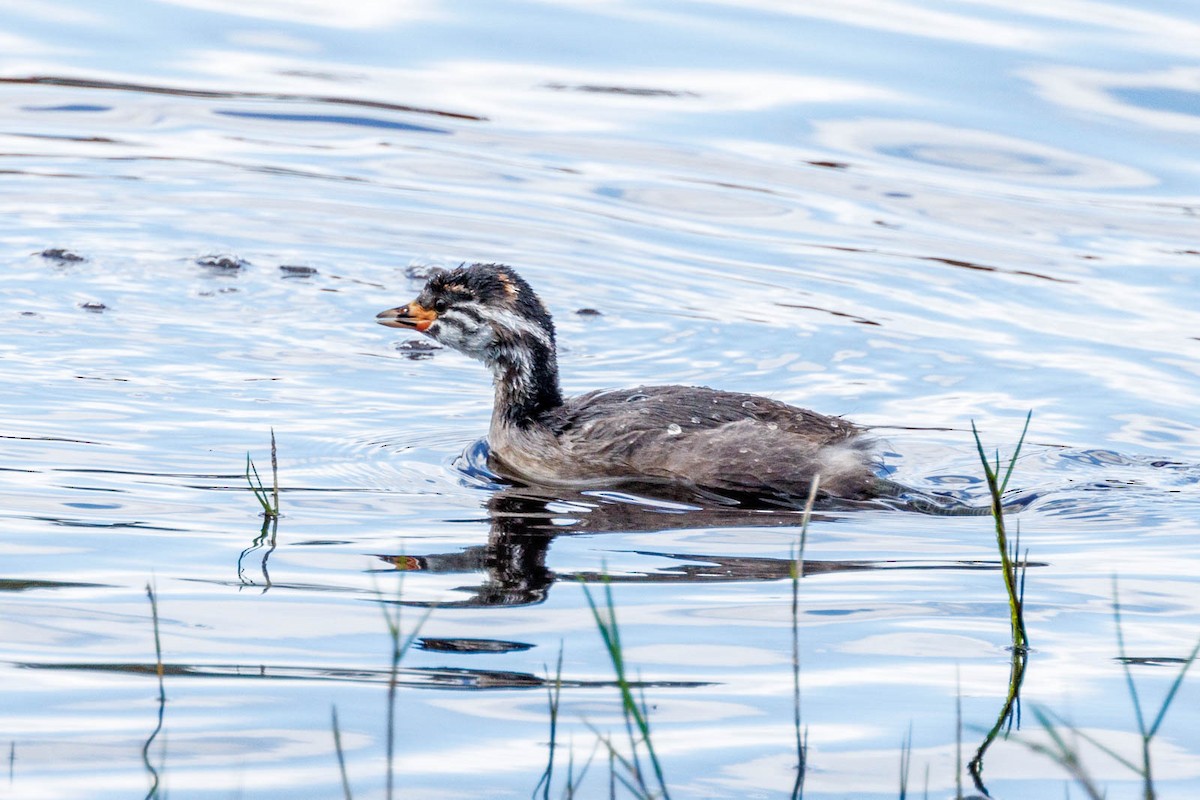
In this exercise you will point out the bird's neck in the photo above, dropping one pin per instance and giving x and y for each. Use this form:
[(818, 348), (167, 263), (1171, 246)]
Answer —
[(526, 380)]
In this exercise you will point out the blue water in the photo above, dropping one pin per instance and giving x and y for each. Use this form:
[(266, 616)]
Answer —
[(917, 215)]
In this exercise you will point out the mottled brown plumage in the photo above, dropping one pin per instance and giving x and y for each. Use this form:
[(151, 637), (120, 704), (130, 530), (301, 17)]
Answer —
[(672, 435)]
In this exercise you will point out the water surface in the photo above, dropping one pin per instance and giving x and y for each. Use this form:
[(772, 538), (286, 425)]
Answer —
[(914, 215)]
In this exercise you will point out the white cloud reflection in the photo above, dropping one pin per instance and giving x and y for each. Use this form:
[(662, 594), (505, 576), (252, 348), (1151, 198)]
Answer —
[(986, 23), (347, 14), (894, 16), (1098, 92), (1156, 31)]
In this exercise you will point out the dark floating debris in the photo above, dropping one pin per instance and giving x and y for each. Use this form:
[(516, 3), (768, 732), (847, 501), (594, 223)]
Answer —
[(831, 312), (21, 585), (634, 91), (589, 312), (417, 349), (62, 256), (955, 262), (65, 138), (93, 306), (297, 270), (1152, 661), (223, 263), (829, 164), (471, 645)]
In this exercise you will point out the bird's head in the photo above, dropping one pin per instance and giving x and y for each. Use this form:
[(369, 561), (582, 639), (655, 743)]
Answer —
[(486, 311)]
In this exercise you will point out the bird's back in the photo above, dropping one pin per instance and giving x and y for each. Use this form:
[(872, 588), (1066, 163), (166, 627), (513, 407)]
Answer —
[(693, 435)]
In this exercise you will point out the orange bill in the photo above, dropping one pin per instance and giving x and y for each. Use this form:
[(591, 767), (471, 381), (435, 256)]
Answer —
[(411, 316)]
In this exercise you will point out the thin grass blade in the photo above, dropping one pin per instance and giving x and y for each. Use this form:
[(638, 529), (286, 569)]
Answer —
[(1012, 463), (1129, 683), (1170, 698), (274, 472), (341, 756)]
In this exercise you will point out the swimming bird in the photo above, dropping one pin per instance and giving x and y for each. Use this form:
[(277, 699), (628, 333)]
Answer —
[(677, 436)]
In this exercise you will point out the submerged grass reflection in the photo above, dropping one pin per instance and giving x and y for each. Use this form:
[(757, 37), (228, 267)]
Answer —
[(155, 773), (797, 572), (265, 541), (341, 755), (1008, 716)]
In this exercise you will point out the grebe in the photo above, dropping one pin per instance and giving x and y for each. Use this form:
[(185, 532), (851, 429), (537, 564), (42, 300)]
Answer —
[(684, 436)]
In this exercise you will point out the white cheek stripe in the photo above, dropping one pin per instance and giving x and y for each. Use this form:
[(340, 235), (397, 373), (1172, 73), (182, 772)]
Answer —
[(462, 333), (508, 320)]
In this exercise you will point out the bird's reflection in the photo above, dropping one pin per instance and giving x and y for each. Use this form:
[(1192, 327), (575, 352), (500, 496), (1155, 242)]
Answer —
[(524, 522)]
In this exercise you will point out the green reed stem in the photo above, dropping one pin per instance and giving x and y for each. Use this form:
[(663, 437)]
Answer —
[(634, 713), (264, 498), (1013, 582), (274, 472)]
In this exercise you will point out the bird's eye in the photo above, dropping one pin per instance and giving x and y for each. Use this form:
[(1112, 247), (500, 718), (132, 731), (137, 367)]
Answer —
[(439, 305)]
